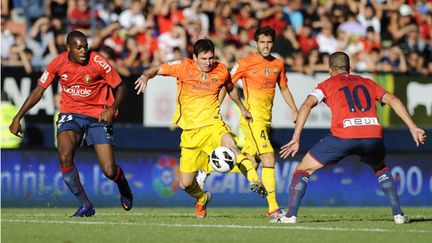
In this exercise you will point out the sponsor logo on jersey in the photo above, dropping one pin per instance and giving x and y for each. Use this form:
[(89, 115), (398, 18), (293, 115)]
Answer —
[(203, 76), (266, 71), (103, 63), (44, 77), (76, 90), (174, 62), (360, 121)]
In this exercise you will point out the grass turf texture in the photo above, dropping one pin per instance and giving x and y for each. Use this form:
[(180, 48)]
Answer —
[(221, 225)]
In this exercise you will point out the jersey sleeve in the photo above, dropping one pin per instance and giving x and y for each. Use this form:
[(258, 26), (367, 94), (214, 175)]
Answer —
[(50, 73), (237, 72), (109, 74), (282, 80), (173, 68), (318, 92), (378, 90)]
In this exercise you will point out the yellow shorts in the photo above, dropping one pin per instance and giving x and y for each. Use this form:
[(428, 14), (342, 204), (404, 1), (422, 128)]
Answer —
[(257, 139), (197, 144)]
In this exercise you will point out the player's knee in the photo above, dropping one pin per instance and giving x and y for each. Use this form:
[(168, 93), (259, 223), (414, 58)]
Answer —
[(184, 184), (110, 173), (65, 159)]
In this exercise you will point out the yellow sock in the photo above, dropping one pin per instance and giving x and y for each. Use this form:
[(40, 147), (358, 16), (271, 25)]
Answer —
[(269, 181), (195, 191), (246, 168)]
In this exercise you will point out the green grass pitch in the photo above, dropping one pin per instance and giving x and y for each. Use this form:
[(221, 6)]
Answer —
[(221, 225)]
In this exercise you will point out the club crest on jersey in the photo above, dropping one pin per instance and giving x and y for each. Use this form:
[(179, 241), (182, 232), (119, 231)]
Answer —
[(87, 78), (266, 71), (203, 76), (214, 79), (276, 71)]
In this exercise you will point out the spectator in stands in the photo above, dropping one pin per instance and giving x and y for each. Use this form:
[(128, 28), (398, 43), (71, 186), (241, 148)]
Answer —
[(168, 40), (275, 18), (370, 15), (414, 63), (82, 17), (147, 44), (326, 40), (57, 10), (306, 38), (314, 63), (42, 43), (110, 13), (133, 18), (287, 43), (20, 57), (246, 19), (293, 15), (401, 23), (168, 15), (393, 60), (197, 21), (7, 38), (371, 40), (109, 53)]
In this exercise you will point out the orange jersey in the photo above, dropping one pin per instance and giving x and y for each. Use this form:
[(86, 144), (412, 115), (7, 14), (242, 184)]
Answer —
[(259, 77), (197, 92)]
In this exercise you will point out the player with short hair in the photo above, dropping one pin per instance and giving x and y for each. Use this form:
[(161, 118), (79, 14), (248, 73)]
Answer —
[(88, 107), (355, 130), (260, 72), (199, 82)]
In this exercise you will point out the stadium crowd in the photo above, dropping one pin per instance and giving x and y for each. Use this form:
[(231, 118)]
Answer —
[(379, 35)]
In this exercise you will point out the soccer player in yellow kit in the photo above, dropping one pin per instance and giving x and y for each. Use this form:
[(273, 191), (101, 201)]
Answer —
[(199, 82), (260, 72)]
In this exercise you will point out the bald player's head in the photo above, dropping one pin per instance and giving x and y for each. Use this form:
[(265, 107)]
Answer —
[(339, 62)]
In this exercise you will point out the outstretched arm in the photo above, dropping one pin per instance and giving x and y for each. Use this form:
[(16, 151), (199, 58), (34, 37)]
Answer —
[(292, 147), (32, 100), (141, 82), (418, 134)]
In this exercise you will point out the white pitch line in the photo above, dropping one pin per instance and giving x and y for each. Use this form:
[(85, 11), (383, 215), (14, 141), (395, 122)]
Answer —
[(224, 226)]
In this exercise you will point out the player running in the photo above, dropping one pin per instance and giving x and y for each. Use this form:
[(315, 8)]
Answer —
[(199, 82), (355, 130), (260, 73), (87, 109)]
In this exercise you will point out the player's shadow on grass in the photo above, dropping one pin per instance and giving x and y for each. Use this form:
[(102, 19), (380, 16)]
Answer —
[(419, 220)]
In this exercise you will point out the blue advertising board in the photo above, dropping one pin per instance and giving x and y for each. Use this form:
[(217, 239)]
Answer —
[(31, 178)]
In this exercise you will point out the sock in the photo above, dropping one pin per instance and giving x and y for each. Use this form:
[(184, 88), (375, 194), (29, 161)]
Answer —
[(269, 181), (122, 183), (388, 186), (246, 168), (72, 180), (297, 191), (195, 191)]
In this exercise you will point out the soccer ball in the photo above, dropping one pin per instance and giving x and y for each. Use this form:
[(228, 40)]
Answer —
[(222, 159)]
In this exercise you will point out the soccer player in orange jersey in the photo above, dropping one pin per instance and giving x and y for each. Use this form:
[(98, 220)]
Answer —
[(260, 73), (199, 82)]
